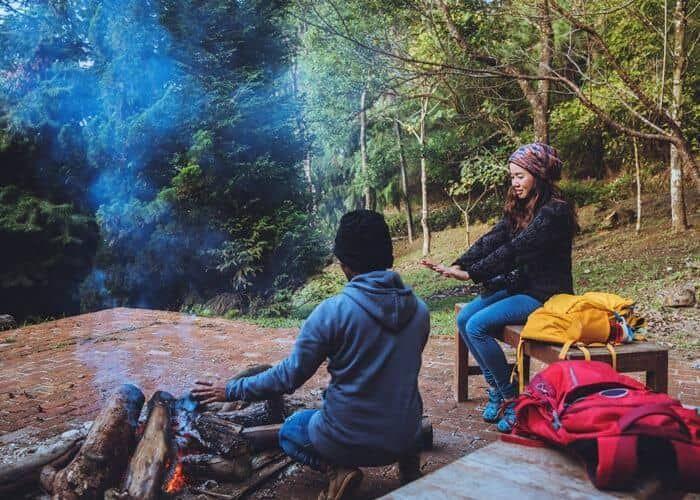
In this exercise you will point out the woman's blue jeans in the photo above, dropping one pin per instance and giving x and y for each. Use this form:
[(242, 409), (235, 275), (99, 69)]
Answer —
[(483, 318)]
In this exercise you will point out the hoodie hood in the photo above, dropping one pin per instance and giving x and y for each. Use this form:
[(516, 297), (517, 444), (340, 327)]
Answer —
[(385, 298)]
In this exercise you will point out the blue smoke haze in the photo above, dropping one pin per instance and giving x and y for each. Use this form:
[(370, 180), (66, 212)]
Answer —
[(103, 77)]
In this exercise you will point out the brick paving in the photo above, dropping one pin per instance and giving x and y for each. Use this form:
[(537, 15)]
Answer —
[(58, 374)]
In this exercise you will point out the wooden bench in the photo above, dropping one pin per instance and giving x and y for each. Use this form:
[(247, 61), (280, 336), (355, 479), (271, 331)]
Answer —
[(645, 357), (504, 470)]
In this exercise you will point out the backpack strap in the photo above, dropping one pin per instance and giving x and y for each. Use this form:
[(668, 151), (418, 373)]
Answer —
[(631, 417), (523, 441), (613, 355), (617, 461), (586, 353), (687, 458), (565, 349)]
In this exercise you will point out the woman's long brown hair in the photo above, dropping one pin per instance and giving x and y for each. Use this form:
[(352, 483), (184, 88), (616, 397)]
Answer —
[(521, 212)]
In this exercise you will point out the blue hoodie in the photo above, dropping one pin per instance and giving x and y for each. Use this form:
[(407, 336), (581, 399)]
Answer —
[(373, 335)]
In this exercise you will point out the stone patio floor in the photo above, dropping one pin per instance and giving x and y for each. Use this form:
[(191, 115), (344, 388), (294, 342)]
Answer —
[(58, 374)]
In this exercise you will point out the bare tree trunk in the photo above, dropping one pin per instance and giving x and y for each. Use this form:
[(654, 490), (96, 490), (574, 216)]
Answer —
[(424, 178), (307, 175), (540, 121), (679, 221), (639, 185), (404, 181), (468, 227), (369, 201), (663, 59), (541, 109)]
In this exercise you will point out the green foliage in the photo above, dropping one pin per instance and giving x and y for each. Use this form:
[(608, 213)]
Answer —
[(589, 192), (47, 250), (175, 125)]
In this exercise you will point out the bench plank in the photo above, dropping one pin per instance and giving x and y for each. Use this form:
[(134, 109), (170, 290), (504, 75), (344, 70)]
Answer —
[(504, 470)]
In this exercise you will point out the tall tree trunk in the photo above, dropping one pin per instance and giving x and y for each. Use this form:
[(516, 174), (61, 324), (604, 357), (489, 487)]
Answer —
[(638, 227), (541, 110), (540, 121), (404, 181), (424, 179), (679, 221), (369, 199), (309, 180)]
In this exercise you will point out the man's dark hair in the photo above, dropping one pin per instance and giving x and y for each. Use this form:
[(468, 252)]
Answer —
[(363, 242)]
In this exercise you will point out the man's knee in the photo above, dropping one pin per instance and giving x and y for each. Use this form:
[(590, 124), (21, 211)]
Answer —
[(294, 430)]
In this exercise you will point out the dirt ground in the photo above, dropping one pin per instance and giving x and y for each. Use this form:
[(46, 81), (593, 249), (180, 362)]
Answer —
[(56, 375)]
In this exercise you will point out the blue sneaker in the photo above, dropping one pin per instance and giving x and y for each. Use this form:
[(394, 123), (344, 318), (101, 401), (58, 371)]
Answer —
[(507, 421), (493, 406)]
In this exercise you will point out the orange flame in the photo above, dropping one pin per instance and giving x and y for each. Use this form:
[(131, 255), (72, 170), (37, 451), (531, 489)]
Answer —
[(177, 482)]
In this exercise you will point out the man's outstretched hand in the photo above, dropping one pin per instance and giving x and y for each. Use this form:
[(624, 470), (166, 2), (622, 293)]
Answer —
[(207, 392)]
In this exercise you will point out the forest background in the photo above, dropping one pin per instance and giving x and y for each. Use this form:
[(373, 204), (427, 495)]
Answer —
[(197, 155)]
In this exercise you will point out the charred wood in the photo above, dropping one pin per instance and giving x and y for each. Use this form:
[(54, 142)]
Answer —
[(144, 477), (215, 467), (104, 456)]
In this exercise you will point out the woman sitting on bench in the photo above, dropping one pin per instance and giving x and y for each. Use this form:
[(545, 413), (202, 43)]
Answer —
[(521, 262)]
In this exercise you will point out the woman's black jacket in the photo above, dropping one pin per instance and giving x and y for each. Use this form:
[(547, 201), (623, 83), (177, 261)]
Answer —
[(539, 255)]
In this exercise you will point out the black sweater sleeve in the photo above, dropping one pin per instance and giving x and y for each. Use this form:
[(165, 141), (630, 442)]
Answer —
[(485, 245), (549, 225)]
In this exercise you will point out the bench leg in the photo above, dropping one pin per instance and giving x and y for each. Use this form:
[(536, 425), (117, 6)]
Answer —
[(460, 379), (657, 376), (526, 371)]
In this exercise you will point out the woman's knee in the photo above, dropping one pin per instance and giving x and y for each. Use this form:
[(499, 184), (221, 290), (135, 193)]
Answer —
[(481, 325), (463, 319)]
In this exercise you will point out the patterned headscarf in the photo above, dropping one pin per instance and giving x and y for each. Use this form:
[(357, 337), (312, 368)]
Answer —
[(540, 159)]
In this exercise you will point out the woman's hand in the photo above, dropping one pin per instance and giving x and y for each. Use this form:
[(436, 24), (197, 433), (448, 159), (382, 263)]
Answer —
[(207, 393), (448, 272), (429, 264)]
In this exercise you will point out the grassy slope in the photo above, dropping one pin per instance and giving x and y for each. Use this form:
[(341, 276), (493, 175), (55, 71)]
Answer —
[(639, 266)]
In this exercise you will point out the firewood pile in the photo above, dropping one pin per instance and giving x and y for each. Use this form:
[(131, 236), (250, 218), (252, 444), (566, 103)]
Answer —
[(171, 448)]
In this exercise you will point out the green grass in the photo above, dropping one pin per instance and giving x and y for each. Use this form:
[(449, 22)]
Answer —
[(270, 321)]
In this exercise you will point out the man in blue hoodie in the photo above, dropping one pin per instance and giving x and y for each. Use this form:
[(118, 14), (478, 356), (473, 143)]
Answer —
[(372, 334)]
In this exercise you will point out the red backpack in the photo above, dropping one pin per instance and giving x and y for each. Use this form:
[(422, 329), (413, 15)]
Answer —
[(621, 428)]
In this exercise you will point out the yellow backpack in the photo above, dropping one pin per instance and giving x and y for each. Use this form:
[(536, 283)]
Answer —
[(578, 320)]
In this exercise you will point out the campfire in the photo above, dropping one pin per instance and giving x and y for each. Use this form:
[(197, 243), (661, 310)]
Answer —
[(171, 448), (178, 446)]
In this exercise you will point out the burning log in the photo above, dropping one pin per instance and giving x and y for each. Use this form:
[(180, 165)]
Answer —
[(262, 437), (57, 452), (224, 469), (272, 411), (145, 475), (103, 457), (220, 436)]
